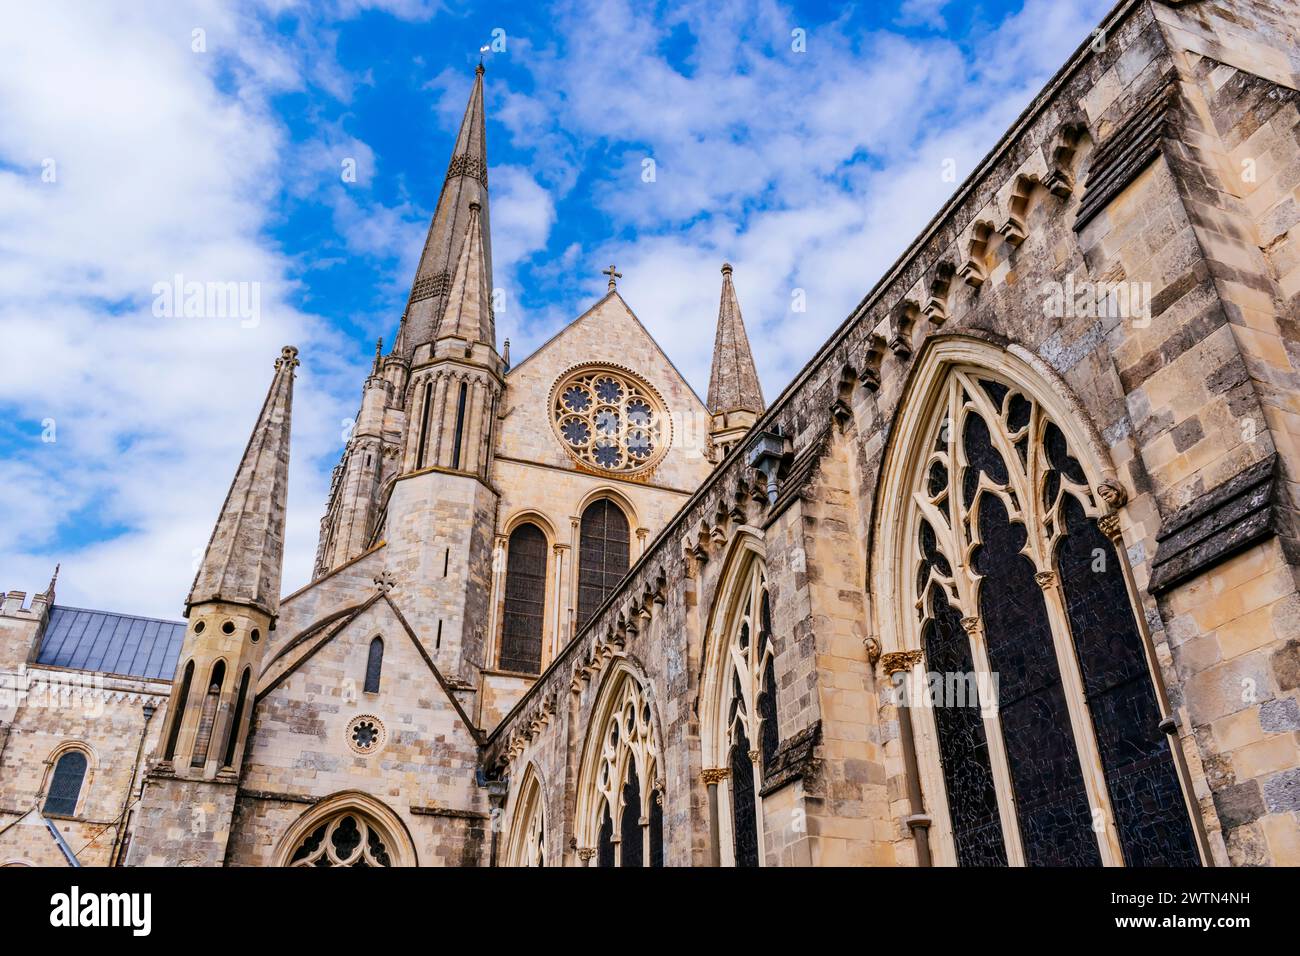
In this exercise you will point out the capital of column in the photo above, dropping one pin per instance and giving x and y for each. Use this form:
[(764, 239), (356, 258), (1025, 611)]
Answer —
[(713, 775), (896, 661)]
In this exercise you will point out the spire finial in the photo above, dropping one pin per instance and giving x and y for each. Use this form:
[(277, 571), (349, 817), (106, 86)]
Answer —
[(379, 352), (614, 276), (726, 268), (288, 356), (54, 578)]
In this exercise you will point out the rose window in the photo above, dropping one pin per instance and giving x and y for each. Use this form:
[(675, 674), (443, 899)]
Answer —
[(607, 419)]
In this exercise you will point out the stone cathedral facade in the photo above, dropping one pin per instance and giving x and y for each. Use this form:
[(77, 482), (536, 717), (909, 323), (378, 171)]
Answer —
[(1007, 575)]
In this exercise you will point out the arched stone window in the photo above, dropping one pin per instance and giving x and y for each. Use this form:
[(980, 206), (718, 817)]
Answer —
[(620, 813), (603, 553), (1035, 697), (348, 829), (374, 666), (64, 791), (741, 734), (521, 628), (208, 715), (527, 845), (236, 721), (177, 715)]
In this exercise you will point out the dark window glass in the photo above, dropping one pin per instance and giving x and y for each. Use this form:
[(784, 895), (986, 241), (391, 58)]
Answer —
[(521, 629), (744, 822), (605, 842), (1145, 795), (374, 665), (65, 783), (657, 830), (632, 847), (963, 747), (769, 733), (1051, 802), (233, 736), (603, 555), (179, 702)]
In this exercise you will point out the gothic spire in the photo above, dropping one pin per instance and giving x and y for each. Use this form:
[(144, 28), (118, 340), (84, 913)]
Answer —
[(468, 313), (245, 553), (733, 383), (466, 183)]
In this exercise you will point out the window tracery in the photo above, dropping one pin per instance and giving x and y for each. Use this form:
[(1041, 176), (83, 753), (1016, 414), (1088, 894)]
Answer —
[(1012, 581), (608, 419)]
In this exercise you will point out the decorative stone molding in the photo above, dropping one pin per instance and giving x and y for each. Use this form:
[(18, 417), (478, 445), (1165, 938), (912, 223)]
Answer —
[(794, 759), (1113, 493), (1128, 150), (1109, 526), (896, 661), (468, 165), (970, 624), (1045, 579), (430, 286), (713, 775), (1233, 516)]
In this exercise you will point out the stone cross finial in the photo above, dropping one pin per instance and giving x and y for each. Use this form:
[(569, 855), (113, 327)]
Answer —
[(614, 276)]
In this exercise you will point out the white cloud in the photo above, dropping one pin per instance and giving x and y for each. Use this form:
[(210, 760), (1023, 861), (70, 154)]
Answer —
[(167, 162)]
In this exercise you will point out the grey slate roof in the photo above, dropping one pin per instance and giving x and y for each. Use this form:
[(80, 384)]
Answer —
[(111, 643)]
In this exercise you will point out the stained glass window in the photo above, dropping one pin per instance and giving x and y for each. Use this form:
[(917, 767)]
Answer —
[(65, 783), (1013, 585), (349, 839), (750, 730), (603, 555), (626, 781), (525, 600), (609, 420)]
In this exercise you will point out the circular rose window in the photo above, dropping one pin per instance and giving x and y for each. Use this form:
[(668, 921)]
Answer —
[(609, 420), (366, 734)]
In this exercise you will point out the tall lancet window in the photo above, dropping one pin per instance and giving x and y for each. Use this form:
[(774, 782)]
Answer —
[(620, 810), (1045, 725), (521, 627), (603, 555), (374, 666), (743, 739)]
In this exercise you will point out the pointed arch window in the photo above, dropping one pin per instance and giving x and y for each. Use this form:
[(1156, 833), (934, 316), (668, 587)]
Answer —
[(348, 839), (525, 602), (179, 702), (625, 801), (749, 734), (208, 715), (603, 555), (65, 783), (374, 666), (1056, 756)]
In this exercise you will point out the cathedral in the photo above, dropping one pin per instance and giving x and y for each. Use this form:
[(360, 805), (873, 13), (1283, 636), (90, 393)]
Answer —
[(1007, 575)]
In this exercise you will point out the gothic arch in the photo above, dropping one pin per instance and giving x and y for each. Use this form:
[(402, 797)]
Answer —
[(994, 495), (374, 815), (622, 758), (75, 746), (614, 495), (529, 828), (738, 699)]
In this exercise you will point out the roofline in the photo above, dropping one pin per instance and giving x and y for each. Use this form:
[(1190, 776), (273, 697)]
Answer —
[(134, 617), (635, 318)]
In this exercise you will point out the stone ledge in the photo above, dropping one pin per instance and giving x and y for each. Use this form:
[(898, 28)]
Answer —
[(1233, 516), (794, 759)]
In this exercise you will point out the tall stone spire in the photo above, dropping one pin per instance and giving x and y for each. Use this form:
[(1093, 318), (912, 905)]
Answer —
[(243, 561), (466, 184), (735, 397), (468, 313)]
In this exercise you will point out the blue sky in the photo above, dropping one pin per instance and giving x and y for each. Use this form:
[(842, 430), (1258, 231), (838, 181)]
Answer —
[(810, 169)]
